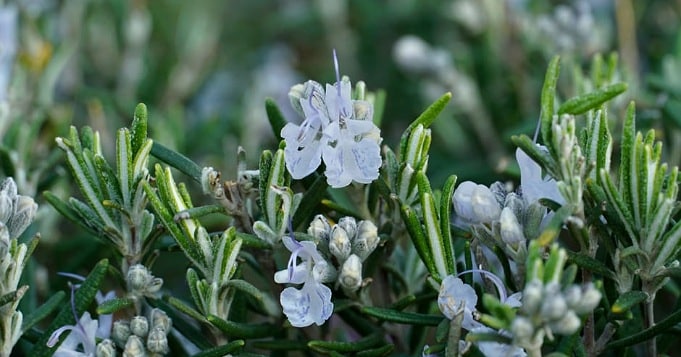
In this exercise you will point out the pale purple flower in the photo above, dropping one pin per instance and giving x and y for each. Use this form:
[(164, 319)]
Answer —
[(82, 334), (533, 184), (311, 303), (81, 341), (454, 296), (337, 129)]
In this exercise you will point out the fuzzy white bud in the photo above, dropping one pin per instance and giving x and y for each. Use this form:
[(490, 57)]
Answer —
[(339, 243), (139, 326), (351, 273), (366, 241)]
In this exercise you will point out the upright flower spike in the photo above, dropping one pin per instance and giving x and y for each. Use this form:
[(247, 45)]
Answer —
[(337, 129)]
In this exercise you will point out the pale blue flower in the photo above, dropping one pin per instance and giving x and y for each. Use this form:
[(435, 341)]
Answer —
[(82, 334), (455, 295), (533, 184), (81, 341), (337, 129), (311, 303)]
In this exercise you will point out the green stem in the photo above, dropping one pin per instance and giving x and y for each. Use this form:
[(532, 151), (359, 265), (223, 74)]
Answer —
[(651, 346)]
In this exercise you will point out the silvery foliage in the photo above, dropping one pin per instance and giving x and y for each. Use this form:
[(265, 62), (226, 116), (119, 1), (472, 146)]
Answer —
[(337, 129), (16, 214)]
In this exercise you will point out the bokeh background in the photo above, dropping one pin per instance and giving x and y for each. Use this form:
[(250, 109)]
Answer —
[(204, 69)]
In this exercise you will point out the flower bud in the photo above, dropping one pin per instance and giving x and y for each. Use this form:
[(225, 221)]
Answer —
[(567, 325), (573, 296), (475, 203), (510, 230), (134, 347), (294, 95), (157, 342), (139, 326), (349, 225), (366, 241), (554, 307), (319, 228), (6, 203), (120, 332), (522, 329), (339, 243), (106, 348), (532, 297), (24, 213), (159, 319), (351, 273), (324, 272), (137, 277), (590, 299)]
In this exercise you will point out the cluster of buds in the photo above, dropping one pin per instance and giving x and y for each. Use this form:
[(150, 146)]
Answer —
[(350, 243), (16, 213), (139, 336), (550, 306), (141, 282)]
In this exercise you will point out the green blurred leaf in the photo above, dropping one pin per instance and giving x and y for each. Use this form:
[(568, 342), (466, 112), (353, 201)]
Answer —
[(277, 120), (233, 329), (548, 98), (223, 350), (585, 102), (626, 302), (43, 311), (355, 346), (401, 317)]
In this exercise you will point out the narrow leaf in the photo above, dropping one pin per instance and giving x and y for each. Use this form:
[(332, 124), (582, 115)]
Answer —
[(114, 305), (548, 97), (277, 120), (401, 317), (177, 160), (43, 311), (585, 102), (224, 350), (233, 329)]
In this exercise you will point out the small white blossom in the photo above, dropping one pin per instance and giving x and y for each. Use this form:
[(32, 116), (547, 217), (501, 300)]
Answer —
[(533, 184), (337, 129), (475, 203), (311, 303), (82, 334), (456, 295)]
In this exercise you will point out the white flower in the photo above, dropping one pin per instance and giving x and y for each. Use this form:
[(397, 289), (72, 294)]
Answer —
[(533, 184), (337, 129), (456, 295), (312, 303), (86, 330), (82, 334)]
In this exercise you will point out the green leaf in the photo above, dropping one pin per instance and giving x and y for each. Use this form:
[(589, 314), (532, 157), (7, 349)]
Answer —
[(425, 119), (277, 120), (355, 346), (384, 350), (139, 128), (65, 210), (177, 160), (548, 98), (660, 327), (82, 299), (43, 311), (401, 317), (310, 201), (233, 329), (223, 350), (554, 226), (114, 305), (13, 296), (418, 237), (269, 305), (280, 345), (585, 102), (626, 302), (593, 265), (445, 226)]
